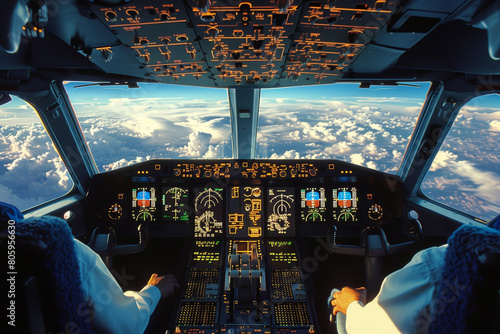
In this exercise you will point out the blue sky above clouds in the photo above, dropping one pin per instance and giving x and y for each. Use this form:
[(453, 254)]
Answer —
[(369, 127)]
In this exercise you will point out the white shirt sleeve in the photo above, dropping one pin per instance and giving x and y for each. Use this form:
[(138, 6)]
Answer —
[(404, 298), (114, 310)]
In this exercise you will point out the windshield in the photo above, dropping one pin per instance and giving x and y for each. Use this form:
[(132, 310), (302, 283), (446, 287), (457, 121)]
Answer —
[(124, 126), (466, 172), (31, 171), (368, 127)]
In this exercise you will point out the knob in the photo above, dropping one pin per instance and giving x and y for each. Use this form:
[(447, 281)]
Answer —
[(165, 16), (207, 17), (212, 31), (133, 14), (283, 5), (353, 36), (313, 19), (413, 215), (276, 33), (332, 19), (203, 5), (379, 5), (111, 16), (107, 55)]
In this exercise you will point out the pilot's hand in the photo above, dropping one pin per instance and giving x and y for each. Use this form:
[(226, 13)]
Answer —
[(167, 284), (341, 300)]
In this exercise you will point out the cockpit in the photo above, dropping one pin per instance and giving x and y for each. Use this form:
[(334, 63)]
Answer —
[(263, 152)]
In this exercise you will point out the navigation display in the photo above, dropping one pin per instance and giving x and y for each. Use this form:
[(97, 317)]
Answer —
[(175, 201), (208, 212), (144, 204), (281, 212), (244, 212), (312, 204), (345, 204)]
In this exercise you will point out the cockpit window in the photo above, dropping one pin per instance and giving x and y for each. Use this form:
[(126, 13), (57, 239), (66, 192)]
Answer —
[(125, 125), (465, 174), (368, 127), (31, 171)]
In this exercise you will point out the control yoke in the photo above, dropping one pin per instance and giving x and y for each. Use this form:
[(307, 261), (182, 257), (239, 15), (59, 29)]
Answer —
[(374, 246), (374, 241), (103, 242)]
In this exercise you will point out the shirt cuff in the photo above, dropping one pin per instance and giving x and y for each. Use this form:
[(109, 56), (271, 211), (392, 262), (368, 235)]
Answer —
[(352, 313), (154, 292)]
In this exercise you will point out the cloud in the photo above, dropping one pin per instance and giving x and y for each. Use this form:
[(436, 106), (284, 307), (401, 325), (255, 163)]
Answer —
[(32, 171), (357, 159), (197, 146), (442, 160), (291, 154), (486, 184), (396, 155), (495, 126)]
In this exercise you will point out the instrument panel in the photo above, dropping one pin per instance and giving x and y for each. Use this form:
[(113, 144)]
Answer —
[(244, 199), (244, 223)]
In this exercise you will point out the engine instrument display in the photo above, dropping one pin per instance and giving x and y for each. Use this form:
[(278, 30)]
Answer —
[(144, 204), (282, 254), (312, 204), (244, 212), (175, 201), (281, 212), (209, 212), (206, 253), (345, 204)]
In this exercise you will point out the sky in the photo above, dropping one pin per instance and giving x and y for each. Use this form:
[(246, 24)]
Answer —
[(368, 127)]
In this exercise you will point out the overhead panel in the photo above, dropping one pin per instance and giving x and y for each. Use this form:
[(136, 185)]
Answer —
[(160, 35), (257, 43), (330, 35), (245, 42)]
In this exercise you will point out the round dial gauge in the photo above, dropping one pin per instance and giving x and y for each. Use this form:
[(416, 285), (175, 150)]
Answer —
[(115, 212), (314, 216), (346, 215), (375, 212), (144, 216)]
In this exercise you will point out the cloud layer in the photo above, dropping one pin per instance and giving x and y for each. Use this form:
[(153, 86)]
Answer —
[(371, 131)]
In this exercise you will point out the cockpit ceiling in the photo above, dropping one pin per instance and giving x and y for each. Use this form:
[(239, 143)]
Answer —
[(255, 43), (228, 43)]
